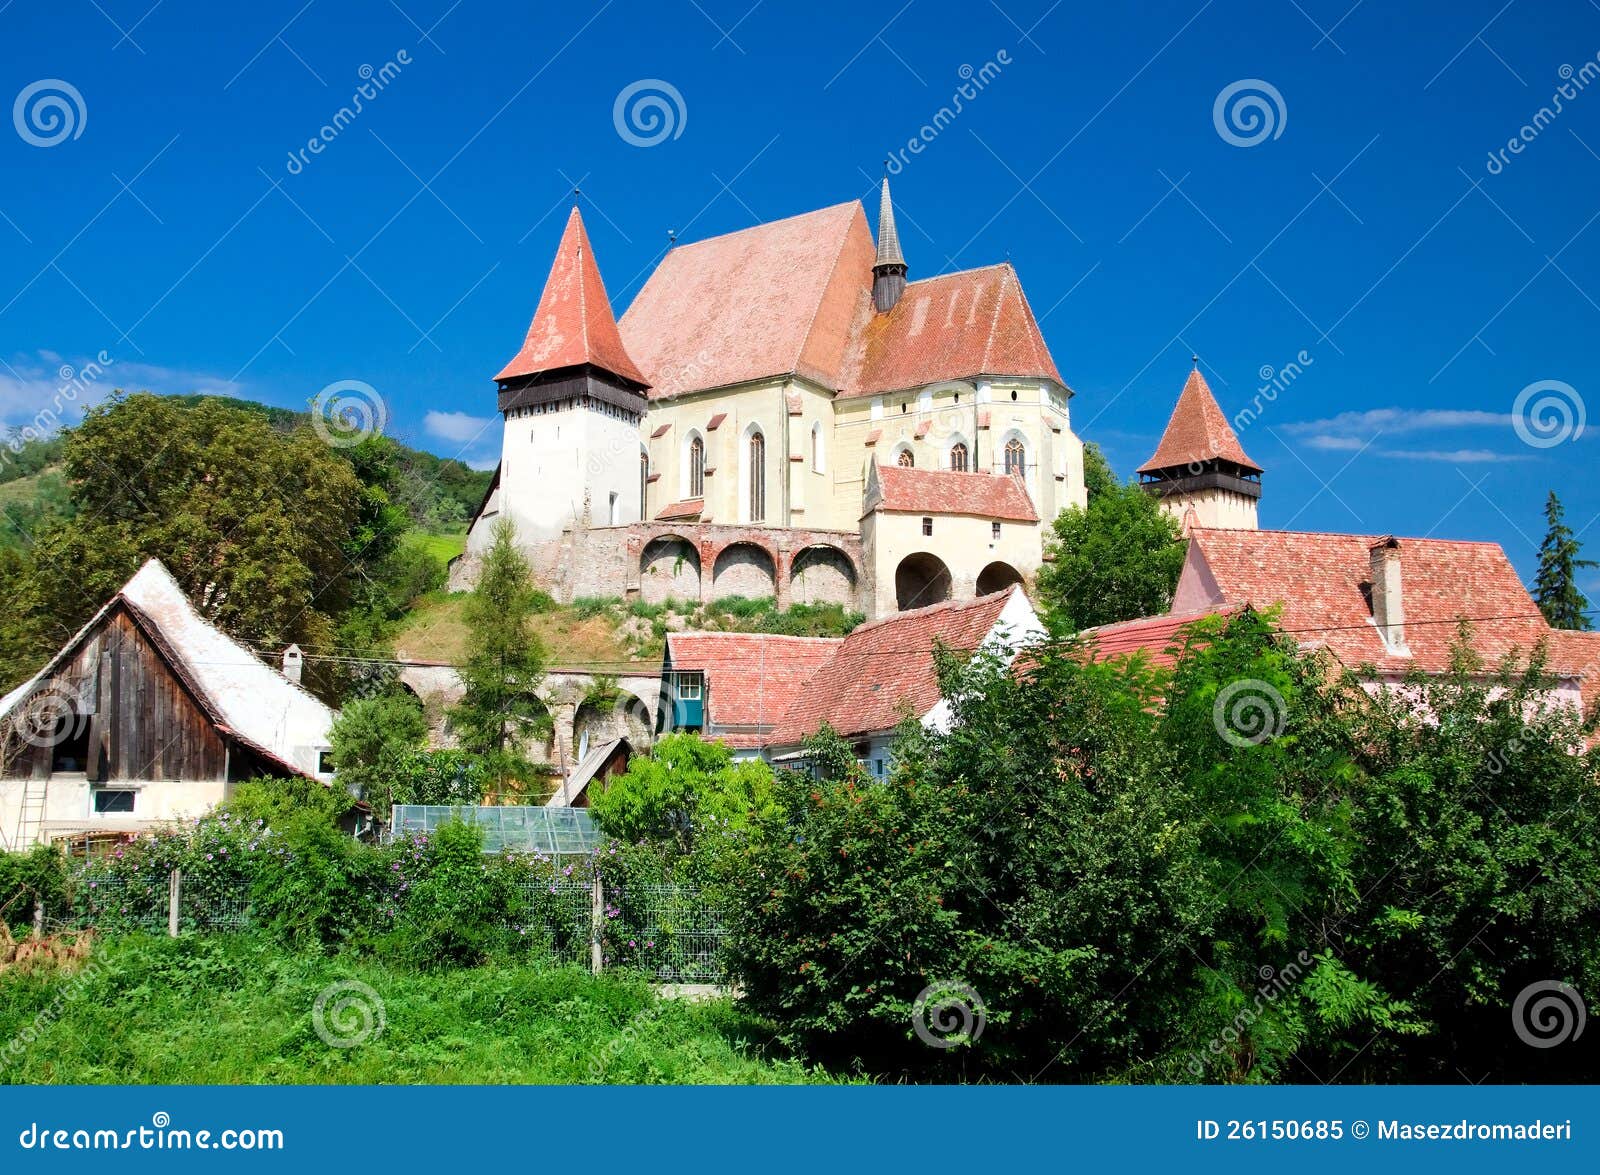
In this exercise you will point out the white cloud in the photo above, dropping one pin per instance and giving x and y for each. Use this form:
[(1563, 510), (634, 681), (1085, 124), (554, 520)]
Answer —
[(45, 390), (1399, 420), (460, 428), (1454, 456)]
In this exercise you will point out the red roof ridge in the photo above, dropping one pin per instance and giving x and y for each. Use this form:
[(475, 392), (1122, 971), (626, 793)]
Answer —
[(767, 224), (765, 636), (1342, 534), (930, 609)]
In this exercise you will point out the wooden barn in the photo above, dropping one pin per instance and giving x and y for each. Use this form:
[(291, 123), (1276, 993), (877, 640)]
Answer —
[(149, 714)]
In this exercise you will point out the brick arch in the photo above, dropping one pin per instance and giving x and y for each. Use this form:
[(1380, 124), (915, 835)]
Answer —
[(821, 573), (738, 569)]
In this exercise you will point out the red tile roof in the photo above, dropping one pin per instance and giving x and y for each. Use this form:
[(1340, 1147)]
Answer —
[(884, 670), (1159, 636), (688, 508), (942, 491), (955, 326), (795, 297), (573, 324), (775, 299), (1578, 653), (1197, 431), (752, 679), (1323, 580)]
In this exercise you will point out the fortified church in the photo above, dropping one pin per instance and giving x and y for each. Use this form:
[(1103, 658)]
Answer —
[(782, 413)]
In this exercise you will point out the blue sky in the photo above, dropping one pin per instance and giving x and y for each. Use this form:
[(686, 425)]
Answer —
[(1362, 231)]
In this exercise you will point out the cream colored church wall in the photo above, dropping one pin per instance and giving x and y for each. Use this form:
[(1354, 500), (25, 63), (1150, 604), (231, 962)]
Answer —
[(759, 404), (965, 545), (1214, 508)]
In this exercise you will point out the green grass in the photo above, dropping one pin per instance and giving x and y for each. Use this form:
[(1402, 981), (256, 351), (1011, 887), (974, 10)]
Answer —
[(236, 1009), (444, 547)]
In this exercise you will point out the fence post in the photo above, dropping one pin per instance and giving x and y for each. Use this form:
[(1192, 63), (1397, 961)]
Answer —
[(38, 917), (174, 896), (597, 922)]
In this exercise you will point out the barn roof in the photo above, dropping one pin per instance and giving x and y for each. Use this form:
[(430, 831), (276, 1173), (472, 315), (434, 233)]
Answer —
[(243, 697)]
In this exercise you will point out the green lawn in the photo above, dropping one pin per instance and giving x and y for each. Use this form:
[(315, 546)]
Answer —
[(443, 546), (238, 1009)]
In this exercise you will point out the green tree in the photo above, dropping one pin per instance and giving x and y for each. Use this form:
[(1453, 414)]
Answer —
[(1556, 587), (1116, 560), (371, 738), (684, 786), (500, 711)]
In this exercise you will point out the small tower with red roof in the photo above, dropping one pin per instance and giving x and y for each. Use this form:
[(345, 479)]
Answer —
[(572, 402), (1199, 470)]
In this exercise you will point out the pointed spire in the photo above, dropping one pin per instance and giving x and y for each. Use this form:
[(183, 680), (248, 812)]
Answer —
[(574, 325), (889, 270), (888, 236), (1198, 432)]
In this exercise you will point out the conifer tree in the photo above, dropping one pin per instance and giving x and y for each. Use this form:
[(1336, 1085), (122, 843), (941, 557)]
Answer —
[(500, 711), (1556, 588)]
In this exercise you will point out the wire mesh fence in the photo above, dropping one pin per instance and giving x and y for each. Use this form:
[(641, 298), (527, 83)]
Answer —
[(673, 933)]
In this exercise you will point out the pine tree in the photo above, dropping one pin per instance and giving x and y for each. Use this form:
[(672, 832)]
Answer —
[(500, 711), (1556, 588)]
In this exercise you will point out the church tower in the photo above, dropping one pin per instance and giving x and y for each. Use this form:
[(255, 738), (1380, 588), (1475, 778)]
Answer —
[(1199, 471), (572, 402), (889, 270)]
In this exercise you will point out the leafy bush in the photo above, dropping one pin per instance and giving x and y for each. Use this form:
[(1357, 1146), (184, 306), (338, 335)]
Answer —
[(37, 875)]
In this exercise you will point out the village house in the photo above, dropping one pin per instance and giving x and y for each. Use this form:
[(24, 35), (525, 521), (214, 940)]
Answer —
[(725, 437), (150, 714), (765, 695)]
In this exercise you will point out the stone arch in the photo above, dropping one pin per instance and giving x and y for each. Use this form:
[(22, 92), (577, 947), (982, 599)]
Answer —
[(996, 577), (598, 719), (669, 569), (921, 579), (744, 569), (822, 574)]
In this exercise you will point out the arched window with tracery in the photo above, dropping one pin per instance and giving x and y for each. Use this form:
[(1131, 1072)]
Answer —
[(697, 468), (906, 459), (1016, 456), (958, 457), (758, 477)]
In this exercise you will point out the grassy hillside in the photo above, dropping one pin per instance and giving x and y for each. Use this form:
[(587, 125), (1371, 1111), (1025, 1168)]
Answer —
[(238, 1010)]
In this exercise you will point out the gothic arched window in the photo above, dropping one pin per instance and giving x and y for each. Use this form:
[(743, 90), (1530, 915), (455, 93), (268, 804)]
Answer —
[(1016, 456), (697, 468), (644, 483), (906, 459), (958, 457), (758, 477)]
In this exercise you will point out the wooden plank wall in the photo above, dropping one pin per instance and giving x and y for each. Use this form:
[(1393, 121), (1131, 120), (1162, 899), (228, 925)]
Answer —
[(143, 724)]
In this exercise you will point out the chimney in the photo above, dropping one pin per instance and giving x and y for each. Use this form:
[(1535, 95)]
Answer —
[(293, 660), (1388, 604)]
